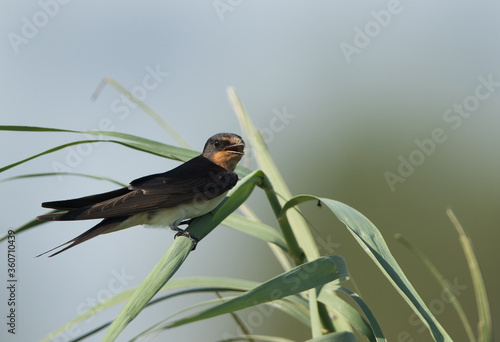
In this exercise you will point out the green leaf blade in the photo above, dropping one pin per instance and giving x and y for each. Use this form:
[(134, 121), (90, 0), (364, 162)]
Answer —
[(369, 237), (132, 141), (301, 278)]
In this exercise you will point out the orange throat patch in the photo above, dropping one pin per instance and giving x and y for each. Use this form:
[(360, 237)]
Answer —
[(226, 159)]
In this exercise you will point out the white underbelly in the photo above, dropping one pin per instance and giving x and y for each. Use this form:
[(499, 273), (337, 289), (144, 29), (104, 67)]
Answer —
[(171, 217)]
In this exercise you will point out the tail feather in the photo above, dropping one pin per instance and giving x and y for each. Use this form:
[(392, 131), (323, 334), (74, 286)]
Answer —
[(101, 228), (67, 215), (53, 216), (85, 201)]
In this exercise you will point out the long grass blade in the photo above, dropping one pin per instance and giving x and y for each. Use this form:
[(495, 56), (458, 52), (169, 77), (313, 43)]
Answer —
[(300, 230), (301, 278), (51, 174), (377, 330), (372, 242), (348, 312), (445, 285), (136, 146), (132, 141), (148, 110), (182, 283), (287, 305), (484, 325)]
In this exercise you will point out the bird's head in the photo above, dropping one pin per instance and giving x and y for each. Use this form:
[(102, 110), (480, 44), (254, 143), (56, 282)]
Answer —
[(224, 149)]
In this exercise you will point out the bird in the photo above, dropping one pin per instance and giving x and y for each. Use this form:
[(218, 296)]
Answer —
[(167, 199)]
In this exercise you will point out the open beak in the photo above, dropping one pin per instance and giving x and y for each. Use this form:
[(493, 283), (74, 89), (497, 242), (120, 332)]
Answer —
[(235, 148)]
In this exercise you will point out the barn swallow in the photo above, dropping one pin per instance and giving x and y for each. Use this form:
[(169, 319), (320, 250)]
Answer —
[(166, 199)]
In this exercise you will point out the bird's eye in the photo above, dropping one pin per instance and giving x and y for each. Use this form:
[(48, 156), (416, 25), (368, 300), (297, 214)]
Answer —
[(216, 143)]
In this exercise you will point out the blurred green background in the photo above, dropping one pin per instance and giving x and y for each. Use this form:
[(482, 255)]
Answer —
[(341, 92)]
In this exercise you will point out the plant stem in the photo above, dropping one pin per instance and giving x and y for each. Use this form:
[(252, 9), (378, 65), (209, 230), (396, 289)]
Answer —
[(295, 252)]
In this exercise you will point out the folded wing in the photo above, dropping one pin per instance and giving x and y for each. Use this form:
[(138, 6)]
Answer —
[(184, 184)]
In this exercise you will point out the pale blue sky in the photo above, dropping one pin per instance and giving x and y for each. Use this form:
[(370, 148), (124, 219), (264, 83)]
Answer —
[(280, 56)]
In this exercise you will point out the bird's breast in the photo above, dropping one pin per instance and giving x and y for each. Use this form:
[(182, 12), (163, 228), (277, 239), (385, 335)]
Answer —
[(173, 216)]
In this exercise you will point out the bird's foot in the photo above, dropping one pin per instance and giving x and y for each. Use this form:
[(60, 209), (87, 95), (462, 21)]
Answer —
[(182, 232)]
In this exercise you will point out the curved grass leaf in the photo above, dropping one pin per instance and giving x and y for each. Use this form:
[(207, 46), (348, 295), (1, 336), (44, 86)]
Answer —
[(152, 330), (185, 152), (135, 146), (152, 302), (132, 141), (445, 285), (157, 328), (299, 227), (349, 312), (50, 174), (51, 150), (287, 305), (293, 306), (148, 110), (192, 282), (301, 278), (372, 331), (373, 243), (379, 335)]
